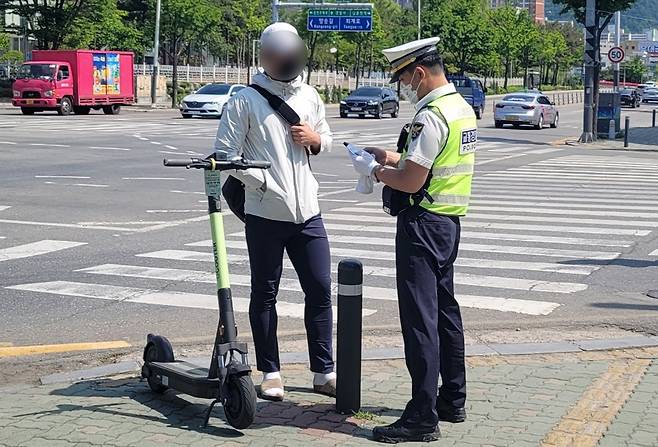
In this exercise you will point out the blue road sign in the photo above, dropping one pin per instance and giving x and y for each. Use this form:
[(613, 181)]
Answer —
[(336, 19)]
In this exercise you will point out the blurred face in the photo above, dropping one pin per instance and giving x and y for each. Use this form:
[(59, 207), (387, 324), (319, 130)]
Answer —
[(283, 56)]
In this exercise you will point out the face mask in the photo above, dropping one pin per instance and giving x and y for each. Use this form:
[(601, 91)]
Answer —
[(408, 92)]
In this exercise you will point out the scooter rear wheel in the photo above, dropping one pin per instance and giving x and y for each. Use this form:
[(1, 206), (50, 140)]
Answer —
[(240, 406)]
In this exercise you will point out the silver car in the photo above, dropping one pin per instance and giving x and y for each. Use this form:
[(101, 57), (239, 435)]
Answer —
[(650, 94), (526, 108)]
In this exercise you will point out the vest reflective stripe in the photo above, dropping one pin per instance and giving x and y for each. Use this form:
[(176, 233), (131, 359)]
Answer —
[(452, 171), (449, 171)]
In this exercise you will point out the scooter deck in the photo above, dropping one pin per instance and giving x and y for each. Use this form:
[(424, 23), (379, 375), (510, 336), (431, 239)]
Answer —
[(186, 377)]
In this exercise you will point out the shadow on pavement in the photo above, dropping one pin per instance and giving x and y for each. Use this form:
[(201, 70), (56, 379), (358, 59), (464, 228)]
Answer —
[(622, 262), (296, 411), (625, 306)]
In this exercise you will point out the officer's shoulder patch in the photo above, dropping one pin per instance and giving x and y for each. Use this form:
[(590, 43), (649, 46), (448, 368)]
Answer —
[(416, 129)]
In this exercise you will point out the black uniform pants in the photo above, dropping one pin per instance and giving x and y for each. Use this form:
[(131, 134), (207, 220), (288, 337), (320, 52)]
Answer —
[(308, 249), (426, 246)]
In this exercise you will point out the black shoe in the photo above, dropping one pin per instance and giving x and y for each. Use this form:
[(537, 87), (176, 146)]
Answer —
[(396, 432), (448, 413)]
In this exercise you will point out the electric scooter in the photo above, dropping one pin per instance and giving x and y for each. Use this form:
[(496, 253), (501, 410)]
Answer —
[(227, 380)]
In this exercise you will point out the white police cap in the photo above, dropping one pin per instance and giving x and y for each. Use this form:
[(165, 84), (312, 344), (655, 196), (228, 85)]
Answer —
[(402, 56)]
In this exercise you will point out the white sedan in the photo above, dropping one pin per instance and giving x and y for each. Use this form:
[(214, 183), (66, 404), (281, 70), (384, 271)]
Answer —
[(209, 100), (530, 108)]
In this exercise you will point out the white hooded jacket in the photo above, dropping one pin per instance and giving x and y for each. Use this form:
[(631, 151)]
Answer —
[(287, 191)]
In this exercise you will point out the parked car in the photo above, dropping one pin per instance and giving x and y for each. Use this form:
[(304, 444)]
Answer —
[(630, 97), (472, 91), (209, 100), (374, 101), (526, 108), (650, 94)]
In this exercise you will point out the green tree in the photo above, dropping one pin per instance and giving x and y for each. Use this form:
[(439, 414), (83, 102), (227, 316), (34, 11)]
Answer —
[(463, 28), (508, 25), (104, 26), (49, 22), (635, 69)]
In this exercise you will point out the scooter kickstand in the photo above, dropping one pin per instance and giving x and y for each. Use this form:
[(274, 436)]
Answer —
[(207, 419)]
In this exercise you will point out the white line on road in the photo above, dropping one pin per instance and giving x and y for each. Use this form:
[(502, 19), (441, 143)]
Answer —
[(173, 148), (62, 225), (654, 253), (497, 159), (63, 176), (153, 178), (470, 223), (461, 261), (149, 296), (110, 148), (565, 212), (49, 145), (481, 235), (91, 185), (8, 142), (198, 210), (564, 205), (558, 198), (36, 249), (341, 191), (169, 274), (175, 191)]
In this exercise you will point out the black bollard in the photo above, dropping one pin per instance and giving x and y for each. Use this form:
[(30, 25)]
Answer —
[(653, 118), (348, 355), (627, 123)]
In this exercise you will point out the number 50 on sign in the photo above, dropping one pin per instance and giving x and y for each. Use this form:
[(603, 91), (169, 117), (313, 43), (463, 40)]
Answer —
[(616, 55)]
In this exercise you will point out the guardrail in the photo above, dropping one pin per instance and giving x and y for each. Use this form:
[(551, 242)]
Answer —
[(559, 98)]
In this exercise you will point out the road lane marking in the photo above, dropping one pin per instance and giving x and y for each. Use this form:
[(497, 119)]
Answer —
[(16, 351), (530, 307), (156, 297), (292, 284), (49, 145), (461, 261), (62, 225), (110, 148), (36, 249), (154, 178), (469, 223), (76, 177)]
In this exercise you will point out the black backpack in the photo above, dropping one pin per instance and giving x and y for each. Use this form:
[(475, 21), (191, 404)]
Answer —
[(233, 189)]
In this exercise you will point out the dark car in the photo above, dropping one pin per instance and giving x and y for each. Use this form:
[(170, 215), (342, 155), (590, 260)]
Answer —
[(630, 97), (473, 92), (374, 101)]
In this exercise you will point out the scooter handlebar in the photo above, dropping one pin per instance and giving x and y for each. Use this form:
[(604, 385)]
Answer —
[(219, 165)]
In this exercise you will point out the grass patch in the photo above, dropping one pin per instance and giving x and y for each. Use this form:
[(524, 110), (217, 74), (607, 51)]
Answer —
[(366, 416)]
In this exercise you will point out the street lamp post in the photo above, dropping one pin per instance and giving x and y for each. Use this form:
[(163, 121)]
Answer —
[(419, 7), (334, 51), (156, 51)]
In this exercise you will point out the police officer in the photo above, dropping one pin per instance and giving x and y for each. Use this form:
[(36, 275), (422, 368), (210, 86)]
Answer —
[(428, 186)]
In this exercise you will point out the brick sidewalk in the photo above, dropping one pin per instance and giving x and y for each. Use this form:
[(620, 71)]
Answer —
[(607, 398)]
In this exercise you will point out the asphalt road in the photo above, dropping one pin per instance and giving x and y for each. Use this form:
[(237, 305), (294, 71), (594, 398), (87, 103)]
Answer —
[(98, 241)]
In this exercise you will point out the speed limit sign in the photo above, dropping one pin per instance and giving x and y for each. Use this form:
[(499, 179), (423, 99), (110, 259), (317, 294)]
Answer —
[(616, 55)]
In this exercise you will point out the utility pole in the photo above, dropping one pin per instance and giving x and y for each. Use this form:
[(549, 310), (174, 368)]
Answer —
[(617, 43), (275, 11), (590, 59), (156, 53), (419, 19)]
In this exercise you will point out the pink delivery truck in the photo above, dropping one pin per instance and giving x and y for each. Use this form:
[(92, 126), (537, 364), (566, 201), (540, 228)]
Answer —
[(75, 81)]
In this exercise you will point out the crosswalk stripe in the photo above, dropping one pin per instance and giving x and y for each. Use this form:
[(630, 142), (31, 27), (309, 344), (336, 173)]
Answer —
[(478, 200), (469, 223), (610, 173), (562, 179), (654, 253), (592, 201), (569, 220), (4, 207), (36, 249), (149, 296), (489, 184), (530, 307), (528, 251), (487, 248), (564, 212), (515, 188), (477, 215), (369, 292), (482, 235)]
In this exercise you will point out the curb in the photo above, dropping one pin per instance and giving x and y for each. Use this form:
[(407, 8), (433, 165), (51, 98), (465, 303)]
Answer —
[(480, 350)]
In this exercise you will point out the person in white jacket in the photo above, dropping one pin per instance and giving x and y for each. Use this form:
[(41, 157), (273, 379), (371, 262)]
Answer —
[(281, 204)]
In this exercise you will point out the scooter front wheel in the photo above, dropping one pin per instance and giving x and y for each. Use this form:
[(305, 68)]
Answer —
[(240, 404)]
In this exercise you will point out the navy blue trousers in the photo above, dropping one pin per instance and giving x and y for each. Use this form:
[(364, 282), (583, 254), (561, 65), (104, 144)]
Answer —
[(308, 249), (426, 247)]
